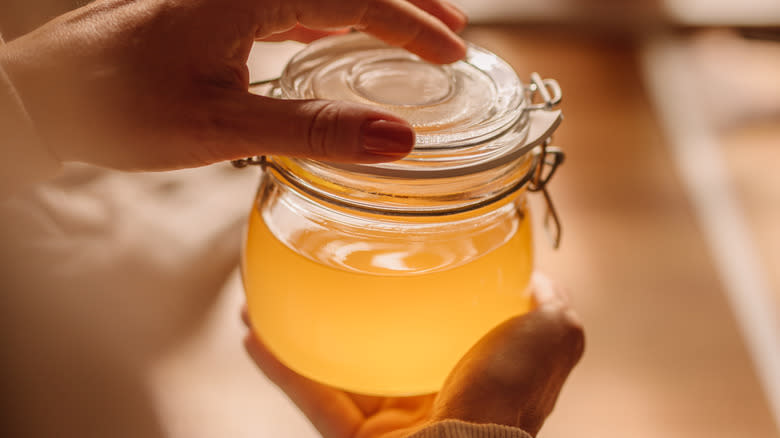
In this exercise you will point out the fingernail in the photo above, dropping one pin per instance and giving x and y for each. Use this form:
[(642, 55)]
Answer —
[(545, 292), (383, 137)]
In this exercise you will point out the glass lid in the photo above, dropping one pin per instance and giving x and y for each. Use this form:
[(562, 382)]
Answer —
[(449, 106), (482, 135)]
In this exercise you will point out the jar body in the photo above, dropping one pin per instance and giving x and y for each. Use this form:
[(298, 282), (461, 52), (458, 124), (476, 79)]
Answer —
[(380, 305)]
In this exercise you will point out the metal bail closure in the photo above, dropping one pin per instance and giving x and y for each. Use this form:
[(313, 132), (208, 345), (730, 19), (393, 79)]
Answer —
[(548, 90), (549, 158), (251, 161)]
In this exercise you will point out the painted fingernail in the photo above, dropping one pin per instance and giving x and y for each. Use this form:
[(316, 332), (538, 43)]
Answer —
[(383, 137)]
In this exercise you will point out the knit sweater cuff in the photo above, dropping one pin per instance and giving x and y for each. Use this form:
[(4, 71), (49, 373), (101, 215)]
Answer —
[(24, 159), (462, 429)]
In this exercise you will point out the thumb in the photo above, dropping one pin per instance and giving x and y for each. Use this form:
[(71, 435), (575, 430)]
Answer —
[(514, 374), (318, 129)]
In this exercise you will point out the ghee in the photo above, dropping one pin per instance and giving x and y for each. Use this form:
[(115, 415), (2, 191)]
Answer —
[(386, 322)]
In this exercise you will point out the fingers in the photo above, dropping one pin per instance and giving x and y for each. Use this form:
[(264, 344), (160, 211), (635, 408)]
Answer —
[(449, 14), (324, 130), (368, 404), (426, 30), (402, 24), (332, 412), (514, 374), (303, 34)]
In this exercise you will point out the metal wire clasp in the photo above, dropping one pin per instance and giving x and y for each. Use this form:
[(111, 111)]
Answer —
[(251, 161), (548, 90), (548, 157)]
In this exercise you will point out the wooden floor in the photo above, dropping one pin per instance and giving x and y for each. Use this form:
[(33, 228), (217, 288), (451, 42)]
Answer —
[(664, 356)]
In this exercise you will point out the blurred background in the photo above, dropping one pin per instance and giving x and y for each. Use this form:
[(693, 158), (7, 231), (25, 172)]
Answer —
[(670, 201)]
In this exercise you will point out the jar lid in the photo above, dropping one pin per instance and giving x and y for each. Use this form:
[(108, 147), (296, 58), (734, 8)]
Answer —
[(448, 105)]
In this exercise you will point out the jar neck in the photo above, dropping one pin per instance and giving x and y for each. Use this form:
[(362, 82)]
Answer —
[(388, 196)]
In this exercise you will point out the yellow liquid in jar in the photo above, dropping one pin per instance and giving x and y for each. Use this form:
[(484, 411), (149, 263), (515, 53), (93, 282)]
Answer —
[(376, 325)]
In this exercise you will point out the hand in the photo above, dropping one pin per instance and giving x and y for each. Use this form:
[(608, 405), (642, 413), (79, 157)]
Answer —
[(511, 377), (156, 84)]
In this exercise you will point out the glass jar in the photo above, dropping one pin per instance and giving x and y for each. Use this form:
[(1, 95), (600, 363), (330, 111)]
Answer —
[(378, 278)]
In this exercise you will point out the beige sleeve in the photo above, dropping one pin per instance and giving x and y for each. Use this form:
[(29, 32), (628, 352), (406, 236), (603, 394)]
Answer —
[(24, 159), (462, 429)]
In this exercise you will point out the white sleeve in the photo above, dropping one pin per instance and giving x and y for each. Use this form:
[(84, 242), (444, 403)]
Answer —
[(462, 429), (24, 159)]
